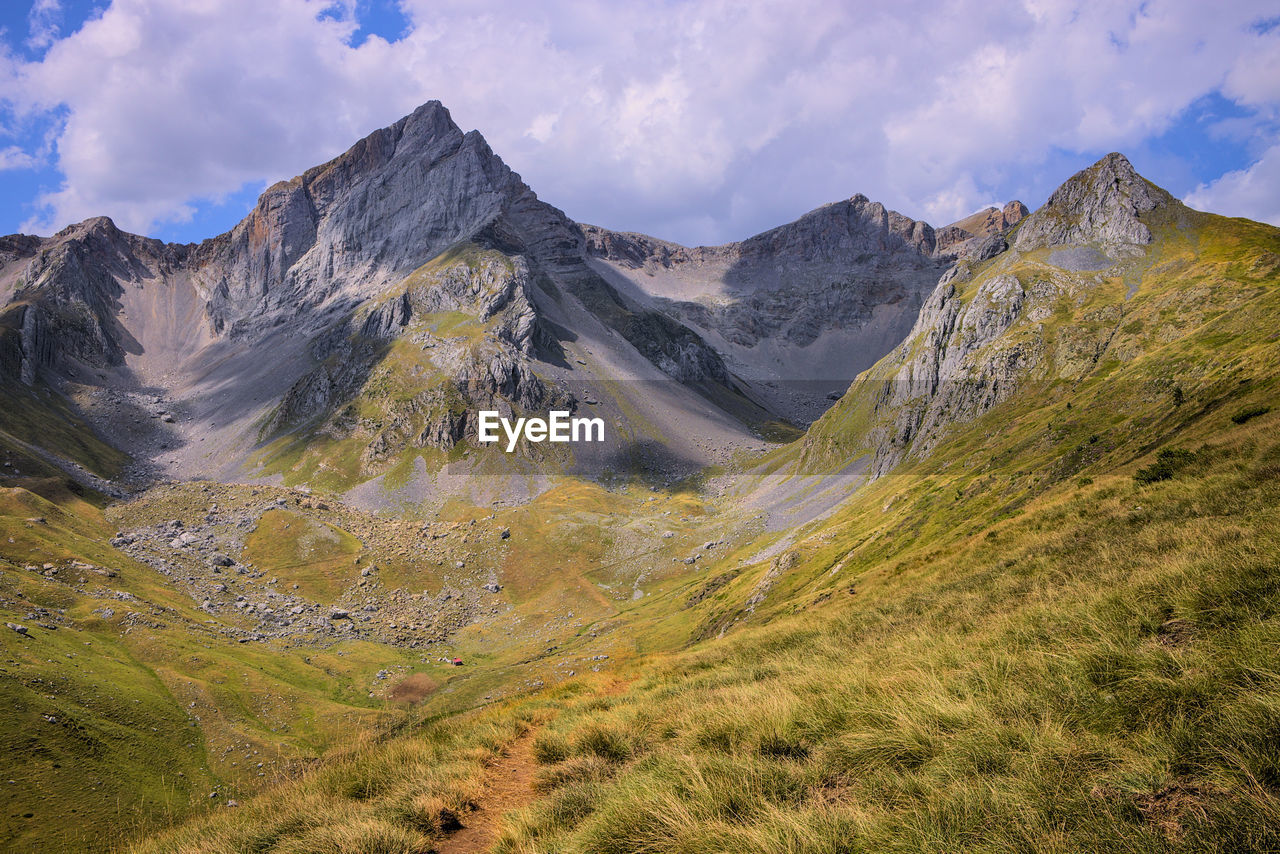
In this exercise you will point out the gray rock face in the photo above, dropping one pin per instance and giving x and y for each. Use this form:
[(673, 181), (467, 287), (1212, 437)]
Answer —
[(63, 307), (974, 236), (797, 310), (393, 201), (958, 369), (1099, 205), (961, 358)]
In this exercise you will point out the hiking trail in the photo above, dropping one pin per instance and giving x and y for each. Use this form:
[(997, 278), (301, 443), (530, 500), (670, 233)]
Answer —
[(508, 785)]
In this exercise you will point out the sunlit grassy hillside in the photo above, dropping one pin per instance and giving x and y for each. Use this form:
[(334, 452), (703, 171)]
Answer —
[(1057, 631)]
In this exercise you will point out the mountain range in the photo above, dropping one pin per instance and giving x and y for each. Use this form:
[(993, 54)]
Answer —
[(251, 525)]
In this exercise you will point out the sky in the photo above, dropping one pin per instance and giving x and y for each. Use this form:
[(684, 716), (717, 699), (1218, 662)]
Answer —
[(700, 121)]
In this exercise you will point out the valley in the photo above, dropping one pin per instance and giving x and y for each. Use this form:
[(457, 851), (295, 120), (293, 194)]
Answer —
[(899, 538)]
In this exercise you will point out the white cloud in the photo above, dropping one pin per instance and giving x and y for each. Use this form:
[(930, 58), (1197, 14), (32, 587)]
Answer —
[(170, 102), (43, 21), (692, 119), (1252, 192), (13, 157)]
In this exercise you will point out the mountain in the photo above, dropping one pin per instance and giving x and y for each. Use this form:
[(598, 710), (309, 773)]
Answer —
[(796, 311), (1039, 617), (1014, 587), (280, 324), (280, 347), (1068, 294)]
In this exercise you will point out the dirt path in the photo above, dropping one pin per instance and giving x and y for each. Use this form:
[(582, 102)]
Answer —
[(508, 786)]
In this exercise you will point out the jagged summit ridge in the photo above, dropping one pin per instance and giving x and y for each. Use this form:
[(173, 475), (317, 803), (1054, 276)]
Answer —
[(797, 310), (390, 203), (971, 236), (1098, 205), (983, 334)]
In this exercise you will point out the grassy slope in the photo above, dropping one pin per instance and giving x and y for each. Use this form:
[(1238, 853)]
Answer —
[(125, 720), (98, 773), (1010, 645), (402, 376)]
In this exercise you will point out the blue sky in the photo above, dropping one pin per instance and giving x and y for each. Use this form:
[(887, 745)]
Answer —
[(694, 120)]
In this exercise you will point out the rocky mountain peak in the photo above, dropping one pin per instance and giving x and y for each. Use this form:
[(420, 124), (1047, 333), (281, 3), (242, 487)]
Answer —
[(349, 227), (1014, 212), (1098, 205), (969, 237)]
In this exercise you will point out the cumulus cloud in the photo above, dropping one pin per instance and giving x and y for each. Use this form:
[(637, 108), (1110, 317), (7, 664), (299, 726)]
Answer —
[(1252, 192), (698, 120)]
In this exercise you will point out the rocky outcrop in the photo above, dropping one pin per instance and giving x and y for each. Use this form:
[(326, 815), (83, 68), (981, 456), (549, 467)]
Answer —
[(487, 286), (486, 363), (820, 298), (1100, 206), (976, 236), (979, 341), (957, 369)]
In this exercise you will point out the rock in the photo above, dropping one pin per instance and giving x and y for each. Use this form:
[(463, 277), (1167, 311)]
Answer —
[(492, 588), (505, 534), (823, 275), (1100, 205), (219, 559), (20, 629), (339, 614)]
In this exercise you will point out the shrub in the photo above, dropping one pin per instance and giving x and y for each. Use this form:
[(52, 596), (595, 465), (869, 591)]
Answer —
[(431, 814), (1249, 412), (362, 836), (1169, 461), (576, 770)]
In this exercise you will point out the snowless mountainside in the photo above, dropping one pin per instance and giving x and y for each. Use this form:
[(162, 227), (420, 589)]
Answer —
[(302, 320)]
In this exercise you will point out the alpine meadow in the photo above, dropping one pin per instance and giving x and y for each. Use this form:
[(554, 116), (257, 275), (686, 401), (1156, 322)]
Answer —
[(411, 515)]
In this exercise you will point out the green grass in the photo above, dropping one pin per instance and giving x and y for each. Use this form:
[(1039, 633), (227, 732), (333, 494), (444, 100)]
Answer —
[(1095, 671), (1055, 632), (314, 555), (1096, 676)]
